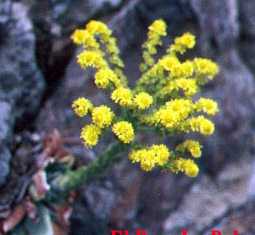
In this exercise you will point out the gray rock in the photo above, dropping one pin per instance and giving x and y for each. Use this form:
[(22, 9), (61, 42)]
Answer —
[(5, 158), (247, 18), (21, 83), (247, 28), (211, 200), (65, 15), (218, 23)]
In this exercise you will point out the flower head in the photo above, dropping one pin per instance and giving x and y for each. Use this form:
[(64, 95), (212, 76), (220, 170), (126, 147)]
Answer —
[(143, 100), (91, 59), (158, 27), (102, 116), (156, 155), (190, 168), (104, 76), (122, 96), (206, 67), (81, 106), (184, 42), (160, 153), (207, 106), (83, 37), (96, 27), (191, 146), (202, 125), (90, 134), (124, 131)]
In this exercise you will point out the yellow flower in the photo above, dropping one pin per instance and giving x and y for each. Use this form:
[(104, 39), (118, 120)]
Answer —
[(90, 134), (102, 116), (167, 117), (147, 161), (124, 131), (202, 125), (190, 168), (136, 155), (193, 147), (187, 69), (189, 86), (145, 157), (158, 27), (156, 155), (122, 96), (83, 37), (104, 76), (184, 42), (169, 63), (208, 106), (172, 114), (91, 59), (156, 30), (176, 68), (206, 67), (143, 100), (81, 106), (160, 153), (97, 27), (187, 166), (78, 36)]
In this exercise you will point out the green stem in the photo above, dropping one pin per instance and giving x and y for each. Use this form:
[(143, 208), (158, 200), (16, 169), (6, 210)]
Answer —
[(75, 178)]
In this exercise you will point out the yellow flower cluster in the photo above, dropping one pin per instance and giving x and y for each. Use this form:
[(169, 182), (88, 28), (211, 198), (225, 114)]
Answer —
[(171, 114), (156, 155), (182, 43), (188, 86), (188, 166), (200, 124), (104, 76), (164, 99), (91, 59), (83, 37), (81, 106), (102, 116), (122, 96), (143, 100), (156, 31), (192, 146), (207, 106), (90, 134), (124, 131), (205, 67)]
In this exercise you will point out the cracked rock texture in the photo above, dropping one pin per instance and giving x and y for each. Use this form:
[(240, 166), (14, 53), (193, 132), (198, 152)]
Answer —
[(21, 82)]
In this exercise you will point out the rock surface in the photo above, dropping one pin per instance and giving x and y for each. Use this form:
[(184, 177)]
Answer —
[(21, 83), (210, 200)]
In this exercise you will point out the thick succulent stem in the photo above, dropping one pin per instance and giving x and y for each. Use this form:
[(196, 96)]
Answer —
[(74, 178)]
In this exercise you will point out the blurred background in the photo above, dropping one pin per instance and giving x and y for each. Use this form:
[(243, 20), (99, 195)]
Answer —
[(39, 78)]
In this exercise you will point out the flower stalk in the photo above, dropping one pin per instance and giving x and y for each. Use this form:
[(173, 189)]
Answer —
[(74, 178)]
